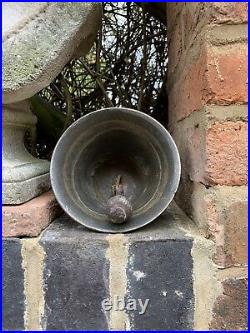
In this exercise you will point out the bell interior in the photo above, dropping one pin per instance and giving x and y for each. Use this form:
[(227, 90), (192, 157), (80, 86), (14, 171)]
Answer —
[(118, 152), (98, 148)]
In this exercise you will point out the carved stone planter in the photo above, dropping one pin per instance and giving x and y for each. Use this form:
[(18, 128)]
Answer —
[(40, 39), (37, 42)]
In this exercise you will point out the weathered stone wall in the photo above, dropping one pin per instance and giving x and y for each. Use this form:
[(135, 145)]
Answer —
[(207, 90), (57, 281)]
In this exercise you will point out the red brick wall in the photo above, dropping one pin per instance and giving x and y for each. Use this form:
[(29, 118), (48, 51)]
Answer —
[(207, 93)]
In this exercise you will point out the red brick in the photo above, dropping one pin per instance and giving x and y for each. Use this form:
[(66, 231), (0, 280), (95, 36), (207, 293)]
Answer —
[(30, 218), (218, 76), (182, 32), (236, 232), (189, 92), (229, 12), (226, 153), (230, 309), (190, 140), (175, 49), (213, 153), (173, 11), (230, 233), (227, 74), (193, 18), (222, 213), (216, 231)]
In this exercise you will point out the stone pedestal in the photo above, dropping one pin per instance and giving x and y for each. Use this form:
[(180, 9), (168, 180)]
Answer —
[(23, 176)]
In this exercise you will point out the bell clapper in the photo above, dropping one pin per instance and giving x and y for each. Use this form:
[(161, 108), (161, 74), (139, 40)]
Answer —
[(117, 188), (119, 207)]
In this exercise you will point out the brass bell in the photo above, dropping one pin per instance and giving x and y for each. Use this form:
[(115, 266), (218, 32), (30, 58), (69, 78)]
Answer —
[(115, 170)]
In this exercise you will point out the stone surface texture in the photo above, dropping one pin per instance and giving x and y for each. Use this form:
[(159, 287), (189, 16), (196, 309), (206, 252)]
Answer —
[(169, 288), (40, 39), (81, 259), (230, 310), (77, 269), (23, 175), (75, 278), (13, 301), (30, 218), (59, 280)]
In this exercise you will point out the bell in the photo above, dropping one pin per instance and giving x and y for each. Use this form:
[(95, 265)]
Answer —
[(115, 170)]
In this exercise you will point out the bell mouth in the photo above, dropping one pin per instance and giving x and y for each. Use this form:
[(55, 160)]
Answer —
[(118, 151), (103, 145)]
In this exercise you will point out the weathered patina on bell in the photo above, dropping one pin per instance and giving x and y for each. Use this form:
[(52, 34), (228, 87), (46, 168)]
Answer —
[(115, 170)]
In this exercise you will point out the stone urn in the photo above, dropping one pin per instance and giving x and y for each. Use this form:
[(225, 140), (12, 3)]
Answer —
[(37, 42)]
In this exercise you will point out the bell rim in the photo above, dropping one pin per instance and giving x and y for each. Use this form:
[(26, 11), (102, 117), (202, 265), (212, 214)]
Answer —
[(161, 206)]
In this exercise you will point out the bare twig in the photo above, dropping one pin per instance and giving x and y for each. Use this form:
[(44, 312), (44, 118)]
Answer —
[(144, 61), (125, 67), (68, 99), (99, 82)]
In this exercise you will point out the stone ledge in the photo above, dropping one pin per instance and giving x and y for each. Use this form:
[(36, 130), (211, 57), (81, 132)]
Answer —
[(30, 218), (12, 286), (59, 280), (81, 268)]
